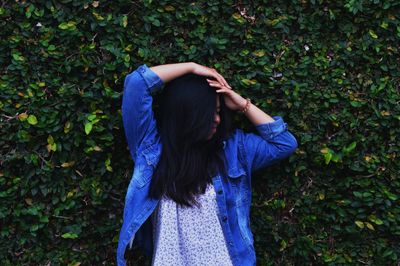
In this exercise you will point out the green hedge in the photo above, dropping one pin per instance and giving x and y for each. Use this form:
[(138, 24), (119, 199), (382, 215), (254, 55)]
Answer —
[(330, 68)]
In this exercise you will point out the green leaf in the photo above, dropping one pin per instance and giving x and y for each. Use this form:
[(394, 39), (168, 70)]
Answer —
[(88, 127), (336, 157), (91, 117), (238, 18), (356, 103), (359, 224), (373, 34), (98, 16), (349, 148), (369, 226), (69, 236), (50, 139), (390, 195), (29, 11), (44, 219), (16, 56), (108, 165), (63, 26), (124, 21), (70, 25), (67, 127), (259, 53), (34, 227), (32, 120), (328, 157), (156, 22), (387, 253), (283, 245), (248, 82), (51, 147), (51, 48), (142, 52)]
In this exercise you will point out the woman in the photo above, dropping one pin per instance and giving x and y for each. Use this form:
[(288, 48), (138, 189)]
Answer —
[(188, 201)]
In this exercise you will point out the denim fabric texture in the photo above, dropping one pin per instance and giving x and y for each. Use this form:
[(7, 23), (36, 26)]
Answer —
[(244, 154)]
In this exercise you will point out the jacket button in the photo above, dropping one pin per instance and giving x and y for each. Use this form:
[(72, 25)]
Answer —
[(224, 218), (220, 192)]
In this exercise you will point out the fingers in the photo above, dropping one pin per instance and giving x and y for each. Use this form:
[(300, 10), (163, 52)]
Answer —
[(222, 87), (223, 81), (217, 84), (223, 91), (214, 83), (220, 78)]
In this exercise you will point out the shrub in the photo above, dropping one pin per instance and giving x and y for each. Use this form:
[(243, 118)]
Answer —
[(330, 68)]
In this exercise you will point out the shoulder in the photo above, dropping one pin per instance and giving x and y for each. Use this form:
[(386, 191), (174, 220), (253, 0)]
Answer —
[(237, 139), (144, 74), (234, 140)]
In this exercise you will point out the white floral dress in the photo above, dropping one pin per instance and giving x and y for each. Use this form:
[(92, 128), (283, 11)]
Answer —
[(189, 236)]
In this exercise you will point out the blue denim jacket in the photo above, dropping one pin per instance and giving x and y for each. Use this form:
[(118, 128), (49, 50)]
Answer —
[(244, 154)]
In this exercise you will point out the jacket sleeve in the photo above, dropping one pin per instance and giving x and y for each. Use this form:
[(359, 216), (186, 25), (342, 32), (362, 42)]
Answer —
[(273, 144), (137, 114)]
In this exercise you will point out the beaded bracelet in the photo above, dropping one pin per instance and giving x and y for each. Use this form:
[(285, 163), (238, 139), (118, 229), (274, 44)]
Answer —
[(244, 110)]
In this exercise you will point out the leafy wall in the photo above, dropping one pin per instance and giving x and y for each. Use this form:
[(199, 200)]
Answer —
[(330, 68)]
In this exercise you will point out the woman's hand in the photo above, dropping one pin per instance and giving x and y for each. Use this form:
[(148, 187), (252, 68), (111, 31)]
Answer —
[(232, 100), (209, 72)]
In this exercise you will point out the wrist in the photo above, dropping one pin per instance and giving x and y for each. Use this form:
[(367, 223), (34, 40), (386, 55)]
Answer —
[(192, 66), (245, 107)]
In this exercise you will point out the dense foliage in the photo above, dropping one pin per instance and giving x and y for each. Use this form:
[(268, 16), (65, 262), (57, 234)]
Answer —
[(329, 68)]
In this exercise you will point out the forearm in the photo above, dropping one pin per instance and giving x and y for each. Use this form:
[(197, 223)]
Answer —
[(257, 116), (169, 72)]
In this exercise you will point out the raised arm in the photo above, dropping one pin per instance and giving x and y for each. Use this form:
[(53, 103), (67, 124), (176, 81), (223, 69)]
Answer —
[(137, 114), (273, 143), (169, 72)]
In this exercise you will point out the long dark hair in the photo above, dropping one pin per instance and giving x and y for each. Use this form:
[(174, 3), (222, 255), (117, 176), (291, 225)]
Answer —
[(185, 120)]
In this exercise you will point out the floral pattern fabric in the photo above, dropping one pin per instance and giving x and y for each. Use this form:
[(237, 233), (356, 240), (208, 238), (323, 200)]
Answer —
[(189, 236)]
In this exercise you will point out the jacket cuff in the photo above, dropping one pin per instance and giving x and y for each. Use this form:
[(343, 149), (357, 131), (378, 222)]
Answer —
[(272, 129), (153, 81)]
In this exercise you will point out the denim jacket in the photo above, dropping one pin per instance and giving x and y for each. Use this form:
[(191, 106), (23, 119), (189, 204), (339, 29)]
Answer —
[(244, 154)]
